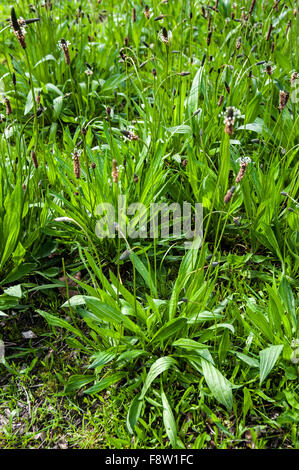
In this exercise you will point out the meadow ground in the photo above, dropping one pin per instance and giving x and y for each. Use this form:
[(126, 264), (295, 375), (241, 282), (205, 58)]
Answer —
[(131, 342)]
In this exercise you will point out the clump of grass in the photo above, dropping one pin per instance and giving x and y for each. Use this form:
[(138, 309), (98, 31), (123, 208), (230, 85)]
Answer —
[(197, 348)]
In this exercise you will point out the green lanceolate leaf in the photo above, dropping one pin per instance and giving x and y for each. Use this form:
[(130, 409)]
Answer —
[(268, 358), (105, 383), (59, 322), (77, 381), (170, 329), (220, 387), (134, 413), (109, 314), (159, 366), (169, 421)]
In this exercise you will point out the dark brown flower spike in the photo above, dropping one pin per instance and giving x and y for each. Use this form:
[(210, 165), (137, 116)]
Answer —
[(34, 159), (115, 172), (209, 38), (146, 12), (14, 20), (64, 46), (252, 7), (8, 106), (283, 99), (242, 171), (18, 28), (76, 161), (269, 32), (229, 194)]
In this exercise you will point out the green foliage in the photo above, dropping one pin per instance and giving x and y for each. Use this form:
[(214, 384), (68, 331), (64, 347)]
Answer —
[(176, 332)]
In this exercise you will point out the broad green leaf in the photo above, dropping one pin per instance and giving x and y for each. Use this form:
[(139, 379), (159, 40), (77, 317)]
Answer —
[(220, 387), (19, 272), (128, 356), (194, 92), (57, 106), (2, 351), (101, 358), (46, 59), (14, 291), (105, 383), (203, 316), (159, 366), (169, 421), (54, 88), (251, 361), (74, 301), (257, 126), (182, 129), (268, 358), (77, 381), (144, 273), (59, 322), (287, 296), (186, 267), (29, 103), (247, 402), (187, 343), (134, 413), (109, 314), (169, 329)]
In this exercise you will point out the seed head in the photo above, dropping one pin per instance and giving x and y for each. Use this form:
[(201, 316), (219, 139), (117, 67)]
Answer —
[(209, 38), (229, 120), (34, 159), (229, 194), (294, 77), (64, 46), (283, 99), (76, 161), (251, 7), (269, 32), (165, 36), (242, 171), (146, 12), (115, 172), (8, 106)]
